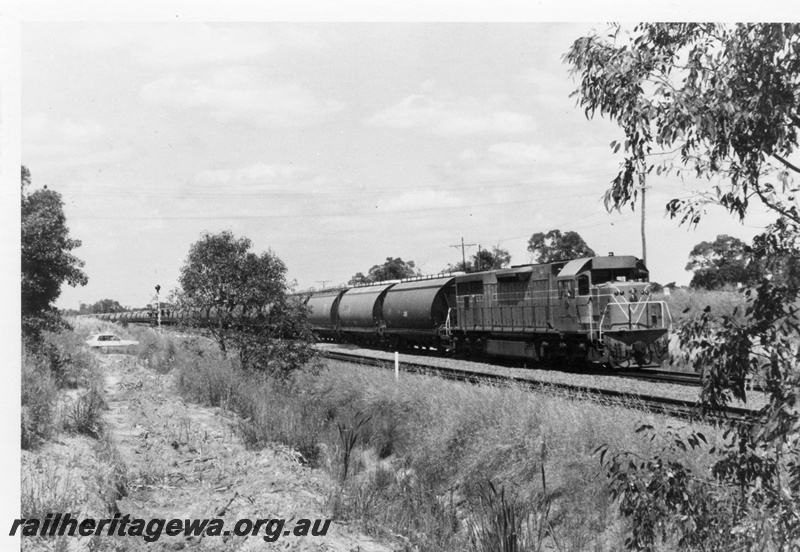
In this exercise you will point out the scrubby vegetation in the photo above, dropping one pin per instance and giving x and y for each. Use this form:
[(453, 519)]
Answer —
[(686, 304), (446, 466), (63, 432)]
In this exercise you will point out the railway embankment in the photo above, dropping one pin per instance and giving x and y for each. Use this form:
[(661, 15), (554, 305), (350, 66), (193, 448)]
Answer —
[(631, 384)]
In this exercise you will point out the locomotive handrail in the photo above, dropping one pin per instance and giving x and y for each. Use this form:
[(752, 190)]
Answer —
[(641, 307)]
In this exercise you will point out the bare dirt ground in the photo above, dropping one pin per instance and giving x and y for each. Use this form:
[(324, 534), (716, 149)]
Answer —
[(179, 460)]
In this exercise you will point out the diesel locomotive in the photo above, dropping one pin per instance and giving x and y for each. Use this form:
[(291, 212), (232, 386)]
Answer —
[(596, 309)]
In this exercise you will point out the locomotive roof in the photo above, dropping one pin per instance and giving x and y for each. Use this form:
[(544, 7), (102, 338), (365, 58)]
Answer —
[(424, 283), (572, 268)]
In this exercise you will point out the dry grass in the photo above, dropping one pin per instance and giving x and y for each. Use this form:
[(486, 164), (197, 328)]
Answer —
[(47, 487), (84, 414), (686, 303), (39, 396), (427, 450)]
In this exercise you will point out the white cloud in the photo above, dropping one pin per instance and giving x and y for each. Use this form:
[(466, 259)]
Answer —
[(420, 200), (518, 153), (66, 142), (439, 114), (238, 94), (40, 125)]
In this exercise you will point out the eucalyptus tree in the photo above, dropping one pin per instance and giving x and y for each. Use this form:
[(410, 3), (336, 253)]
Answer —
[(47, 259), (242, 300), (720, 102), (555, 246)]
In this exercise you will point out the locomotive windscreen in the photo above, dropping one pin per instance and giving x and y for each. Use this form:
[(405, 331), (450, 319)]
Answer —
[(619, 275)]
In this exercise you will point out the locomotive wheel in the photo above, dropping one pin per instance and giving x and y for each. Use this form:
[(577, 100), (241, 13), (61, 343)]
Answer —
[(619, 363)]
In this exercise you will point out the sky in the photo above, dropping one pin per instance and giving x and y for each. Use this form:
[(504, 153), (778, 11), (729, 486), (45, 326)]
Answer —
[(333, 144)]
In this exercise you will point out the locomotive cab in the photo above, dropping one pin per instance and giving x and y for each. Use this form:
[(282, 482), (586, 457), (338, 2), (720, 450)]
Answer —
[(608, 299)]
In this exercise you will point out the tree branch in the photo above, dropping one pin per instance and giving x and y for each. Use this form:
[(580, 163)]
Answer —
[(775, 206), (786, 163)]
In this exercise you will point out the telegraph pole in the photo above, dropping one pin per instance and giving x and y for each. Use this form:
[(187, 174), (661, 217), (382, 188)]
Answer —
[(463, 248), (644, 239), (323, 282)]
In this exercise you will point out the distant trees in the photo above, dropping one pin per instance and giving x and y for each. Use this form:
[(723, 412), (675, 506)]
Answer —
[(240, 299), (47, 261), (725, 261), (392, 269), (103, 305), (555, 246), (484, 259)]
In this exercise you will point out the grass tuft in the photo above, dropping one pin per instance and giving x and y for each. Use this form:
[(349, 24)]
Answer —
[(84, 415), (348, 437)]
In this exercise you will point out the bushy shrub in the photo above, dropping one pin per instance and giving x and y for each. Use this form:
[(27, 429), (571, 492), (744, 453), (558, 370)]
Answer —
[(39, 396)]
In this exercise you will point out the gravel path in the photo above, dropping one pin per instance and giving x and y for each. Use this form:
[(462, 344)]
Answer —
[(185, 461)]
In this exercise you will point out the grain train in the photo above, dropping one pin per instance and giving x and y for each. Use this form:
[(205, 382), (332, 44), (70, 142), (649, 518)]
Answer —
[(596, 309)]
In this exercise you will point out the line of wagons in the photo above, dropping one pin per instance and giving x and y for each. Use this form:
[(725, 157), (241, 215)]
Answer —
[(596, 309)]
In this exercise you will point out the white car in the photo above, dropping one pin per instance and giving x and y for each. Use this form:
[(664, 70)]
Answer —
[(109, 340)]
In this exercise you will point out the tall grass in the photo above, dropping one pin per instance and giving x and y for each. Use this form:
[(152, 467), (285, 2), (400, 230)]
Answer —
[(84, 414), (60, 362), (155, 350), (420, 453), (39, 397), (686, 303), (48, 488)]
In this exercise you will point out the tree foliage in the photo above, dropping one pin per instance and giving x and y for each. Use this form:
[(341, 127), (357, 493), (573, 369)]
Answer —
[(47, 261), (555, 246), (721, 102), (101, 306), (723, 262), (483, 259), (241, 300), (495, 259), (392, 269)]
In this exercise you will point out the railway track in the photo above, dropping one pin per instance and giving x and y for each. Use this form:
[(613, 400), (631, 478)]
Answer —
[(679, 408), (664, 376)]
